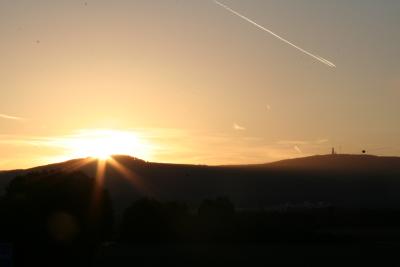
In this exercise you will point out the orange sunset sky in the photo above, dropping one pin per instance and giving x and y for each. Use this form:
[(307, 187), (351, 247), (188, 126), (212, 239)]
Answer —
[(190, 82)]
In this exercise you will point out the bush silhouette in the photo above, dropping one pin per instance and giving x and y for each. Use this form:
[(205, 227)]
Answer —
[(148, 220), (51, 217), (217, 217), (217, 209)]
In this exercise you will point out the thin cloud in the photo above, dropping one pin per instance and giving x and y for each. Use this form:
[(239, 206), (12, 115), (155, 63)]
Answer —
[(237, 127), (167, 145), (8, 117), (269, 107)]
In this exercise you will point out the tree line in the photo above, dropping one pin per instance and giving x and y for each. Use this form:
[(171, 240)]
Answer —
[(61, 218)]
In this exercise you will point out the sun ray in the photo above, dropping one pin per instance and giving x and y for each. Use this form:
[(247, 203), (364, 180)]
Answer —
[(100, 176), (79, 164), (129, 175), (98, 186)]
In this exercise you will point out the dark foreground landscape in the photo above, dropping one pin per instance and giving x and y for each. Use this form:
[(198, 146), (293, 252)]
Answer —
[(317, 211)]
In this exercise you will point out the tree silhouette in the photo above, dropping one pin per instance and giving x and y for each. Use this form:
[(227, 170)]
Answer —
[(51, 217), (217, 217), (148, 220)]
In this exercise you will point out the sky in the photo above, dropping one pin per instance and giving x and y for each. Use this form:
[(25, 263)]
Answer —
[(194, 83)]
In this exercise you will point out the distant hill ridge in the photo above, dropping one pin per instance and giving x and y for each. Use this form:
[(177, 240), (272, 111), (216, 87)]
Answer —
[(341, 162), (358, 181)]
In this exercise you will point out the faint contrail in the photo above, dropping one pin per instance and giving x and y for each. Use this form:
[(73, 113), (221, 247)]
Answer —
[(320, 59), (8, 117), (298, 149)]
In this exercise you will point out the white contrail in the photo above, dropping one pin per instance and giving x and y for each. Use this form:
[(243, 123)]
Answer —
[(8, 117), (320, 59)]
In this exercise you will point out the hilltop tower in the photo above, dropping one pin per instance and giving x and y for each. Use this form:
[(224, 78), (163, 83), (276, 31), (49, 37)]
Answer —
[(333, 151)]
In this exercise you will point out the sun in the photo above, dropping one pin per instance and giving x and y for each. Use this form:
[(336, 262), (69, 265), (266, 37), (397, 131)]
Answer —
[(102, 144)]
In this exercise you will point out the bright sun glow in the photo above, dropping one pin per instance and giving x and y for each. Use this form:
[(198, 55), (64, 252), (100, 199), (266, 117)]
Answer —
[(104, 143)]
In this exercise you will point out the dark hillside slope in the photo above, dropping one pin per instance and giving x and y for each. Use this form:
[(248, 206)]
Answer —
[(349, 181)]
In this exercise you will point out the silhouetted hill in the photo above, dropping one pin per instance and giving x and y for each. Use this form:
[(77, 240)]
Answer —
[(343, 163), (351, 181)]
